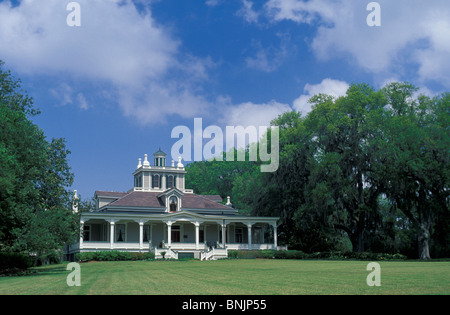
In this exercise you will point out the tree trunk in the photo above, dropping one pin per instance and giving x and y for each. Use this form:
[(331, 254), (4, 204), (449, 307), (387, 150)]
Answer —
[(424, 238)]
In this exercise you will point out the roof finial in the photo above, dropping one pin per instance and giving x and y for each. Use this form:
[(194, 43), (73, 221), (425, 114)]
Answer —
[(146, 162), (229, 201), (140, 163), (75, 202), (180, 165)]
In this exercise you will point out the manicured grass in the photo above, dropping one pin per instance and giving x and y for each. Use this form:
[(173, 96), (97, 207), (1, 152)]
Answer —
[(232, 277)]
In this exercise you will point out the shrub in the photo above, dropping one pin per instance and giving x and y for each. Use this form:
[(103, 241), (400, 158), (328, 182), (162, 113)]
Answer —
[(297, 254), (113, 256), (11, 262), (88, 256)]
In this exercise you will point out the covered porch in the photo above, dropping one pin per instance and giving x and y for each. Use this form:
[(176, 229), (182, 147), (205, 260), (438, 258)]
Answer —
[(180, 232)]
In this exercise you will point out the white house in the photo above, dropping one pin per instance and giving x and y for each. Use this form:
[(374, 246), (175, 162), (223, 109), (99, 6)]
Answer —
[(159, 214)]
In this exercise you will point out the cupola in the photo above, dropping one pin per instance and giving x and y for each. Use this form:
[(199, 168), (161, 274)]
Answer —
[(160, 158)]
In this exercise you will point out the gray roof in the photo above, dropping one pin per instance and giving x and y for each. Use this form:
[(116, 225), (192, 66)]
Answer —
[(159, 152), (147, 199), (110, 194)]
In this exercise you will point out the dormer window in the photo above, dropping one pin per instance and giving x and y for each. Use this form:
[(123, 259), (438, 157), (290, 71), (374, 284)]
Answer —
[(173, 204)]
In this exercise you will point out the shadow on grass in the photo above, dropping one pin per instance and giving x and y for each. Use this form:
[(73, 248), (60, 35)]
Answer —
[(48, 270)]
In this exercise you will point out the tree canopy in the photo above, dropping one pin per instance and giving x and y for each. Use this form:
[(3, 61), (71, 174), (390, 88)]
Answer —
[(368, 171), (35, 203)]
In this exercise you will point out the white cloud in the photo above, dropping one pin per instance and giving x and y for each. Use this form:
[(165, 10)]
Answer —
[(212, 3), (331, 87), (116, 45), (247, 12), (434, 60), (155, 102), (266, 60), (411, 34), (65, 95), (115, 41), (82, 101), (251, 114), (300, 11)]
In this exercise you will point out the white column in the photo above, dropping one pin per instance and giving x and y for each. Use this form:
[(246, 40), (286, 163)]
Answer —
[(81, 233), (151, 235), (249, 229), (224, 227), (197, 236), (111, 236), (141, 235), (169, 233), (275, 240)]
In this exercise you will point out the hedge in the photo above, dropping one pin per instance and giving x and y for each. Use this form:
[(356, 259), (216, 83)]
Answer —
[(246, 254), (113, 256), (11, 262), (297, 254)]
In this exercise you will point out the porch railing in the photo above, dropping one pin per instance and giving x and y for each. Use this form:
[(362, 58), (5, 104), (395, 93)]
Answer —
[(174, 246)]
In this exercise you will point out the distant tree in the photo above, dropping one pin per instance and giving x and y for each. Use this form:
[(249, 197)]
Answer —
[(214, 177)]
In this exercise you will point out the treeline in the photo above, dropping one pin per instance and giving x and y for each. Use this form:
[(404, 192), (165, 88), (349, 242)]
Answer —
[(367, 172)]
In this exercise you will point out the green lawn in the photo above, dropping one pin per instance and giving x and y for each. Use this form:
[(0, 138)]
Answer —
[(232, 277)]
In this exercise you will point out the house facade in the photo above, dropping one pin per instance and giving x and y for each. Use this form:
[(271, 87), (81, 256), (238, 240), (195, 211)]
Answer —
[(160, 215)]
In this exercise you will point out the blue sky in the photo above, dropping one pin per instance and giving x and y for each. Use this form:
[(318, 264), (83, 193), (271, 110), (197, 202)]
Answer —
[(116, 86)]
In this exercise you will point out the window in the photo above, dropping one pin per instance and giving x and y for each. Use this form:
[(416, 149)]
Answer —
[(120, 232), (169, 181), (175, 233), (138, 180), (156, 181), (173, 204)]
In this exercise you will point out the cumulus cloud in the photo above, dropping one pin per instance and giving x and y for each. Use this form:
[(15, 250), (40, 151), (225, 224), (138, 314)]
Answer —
[(254, 114), (415, 33), (331, 87), (251, 114), (116, 44), (115, 41)]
